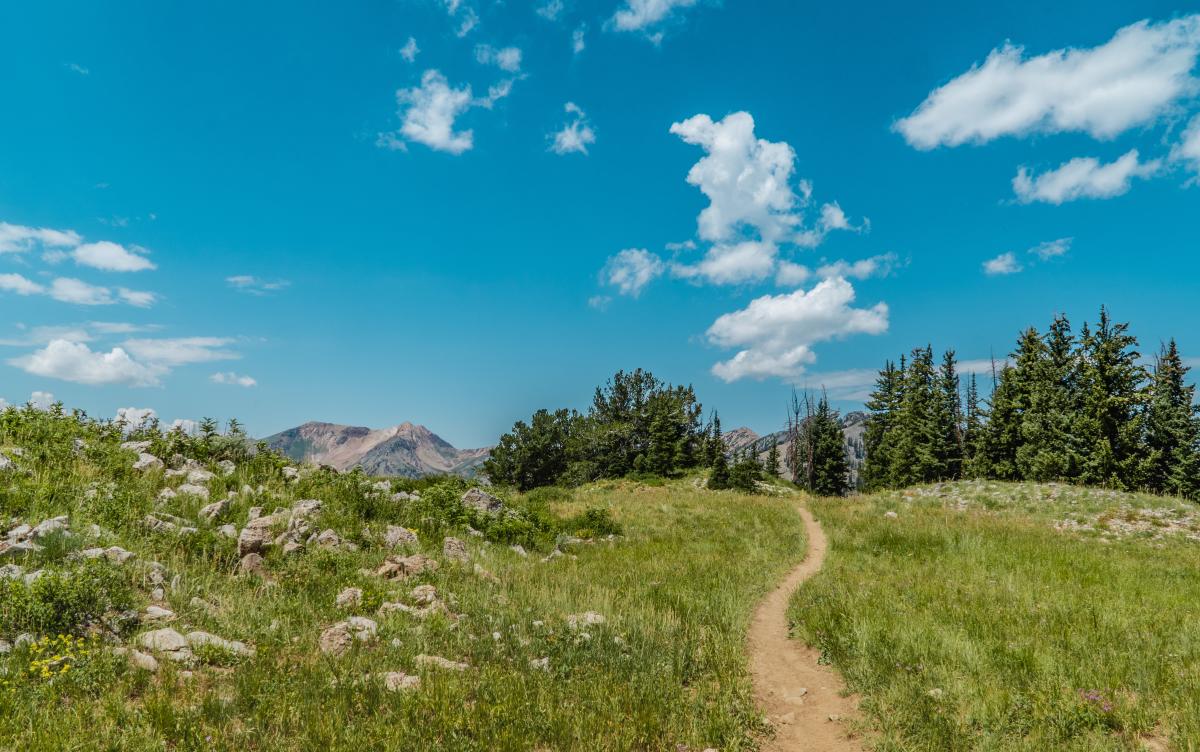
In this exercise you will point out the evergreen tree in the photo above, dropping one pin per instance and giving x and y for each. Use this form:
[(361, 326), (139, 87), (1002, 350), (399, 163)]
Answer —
[(950, 448), (1048, 448), (831, 469), (880, 432), (915, 452), (1112, 399), (716, 442), (719, 477), (974, 435), (1002, 434), (772, 466), (1172, 462)]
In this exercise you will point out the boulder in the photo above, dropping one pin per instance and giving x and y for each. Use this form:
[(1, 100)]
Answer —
[(147, 462), (214, 510), (253, 540), (6, 463), (192, 489), (166, 641), (338, 638), (49, 527), (424, 594), (166, 494), (197, 639), (252, 563), (439, 662), (455, 550), (200, 475), (481, 501), (349, 597), (306, 508), (399, 567), (397, 537), (157, 614)]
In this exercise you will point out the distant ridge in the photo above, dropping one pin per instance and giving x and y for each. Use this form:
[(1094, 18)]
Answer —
[(407, 450), (854, 424)]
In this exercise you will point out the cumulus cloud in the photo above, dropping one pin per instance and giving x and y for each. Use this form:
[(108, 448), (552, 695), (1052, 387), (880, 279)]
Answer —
[(575, 135), (18, 238), (732, 263), (232, 379), (775, 333), (410, 50), (1005, 263), (255, 286), (1133, 79), (1083, 177), (1188, 148), (790, 274), (506, 58), (631, 270), (875, 266), (428, 112), (1052, 248), (186, 425), (133, 418), (577, 40), (20, 285), (111, 257), (75, 361), (550, 10), (637, 15), (41, 400)]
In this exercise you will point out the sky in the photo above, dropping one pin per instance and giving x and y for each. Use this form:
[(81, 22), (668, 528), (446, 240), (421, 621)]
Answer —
[(454, 212)]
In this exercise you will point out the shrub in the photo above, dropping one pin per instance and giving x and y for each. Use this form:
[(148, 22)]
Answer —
[(63, 601)]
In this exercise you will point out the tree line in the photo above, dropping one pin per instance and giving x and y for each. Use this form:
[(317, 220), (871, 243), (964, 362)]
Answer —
[(1063, 407)]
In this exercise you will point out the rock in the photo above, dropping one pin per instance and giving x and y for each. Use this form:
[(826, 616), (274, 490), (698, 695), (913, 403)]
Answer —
[(197, 639), (49, 527), (439, 662), (163, 641), (586, 619), (136, 446), (455, 550), (20, 532), (167, 494), (252, 564), (398, 567), (78, 445), (147, 462), (6, 464), (349, 597), (191, 489), (157, 614), (364, 629), (292, 547), (227, 467), (214, 510), (165, 523), (19, 548), (253, 540), (229, 531), (405, 496), (519, 550), (328, 539), (473, 532), (5, 647), (158, 594), (200, 475), (253, 514), (338, 638), (306, 508), (143, 661), (890, 515), (397, 536), (290, 473), (11, 572), (118, 555), (482, 501), (398, 681), (424, 594)]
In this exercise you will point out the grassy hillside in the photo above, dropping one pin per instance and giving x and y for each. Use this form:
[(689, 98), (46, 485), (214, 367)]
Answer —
[(632, 641), (992, 616)]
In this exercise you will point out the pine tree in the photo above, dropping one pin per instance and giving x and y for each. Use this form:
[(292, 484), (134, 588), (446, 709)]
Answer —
[(880, 433), (950, 448), (831, 469), (1049, 446), (719, 477), (914, 458), (974, 435), (772, 467), (716, 442), (1172, 462), (1112, 400), (1002, 433)]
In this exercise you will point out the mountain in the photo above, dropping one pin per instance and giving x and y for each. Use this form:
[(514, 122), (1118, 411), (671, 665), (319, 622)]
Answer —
[(405, 450), (854, 424)]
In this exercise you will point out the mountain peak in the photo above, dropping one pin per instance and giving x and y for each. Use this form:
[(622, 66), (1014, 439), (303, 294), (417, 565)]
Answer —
[(407, 449)]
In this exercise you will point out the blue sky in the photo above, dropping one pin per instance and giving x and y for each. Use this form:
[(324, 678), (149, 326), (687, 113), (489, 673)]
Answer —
[(270, 211)]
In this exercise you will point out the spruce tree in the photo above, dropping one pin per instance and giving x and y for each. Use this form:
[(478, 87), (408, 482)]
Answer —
[(719, 477), (773, 459), (974, 436), (1172, 462), (914, 458), (1049, 448), (1112, 400), (1002, 433), (950, 448), (879, 435), (831, 469)]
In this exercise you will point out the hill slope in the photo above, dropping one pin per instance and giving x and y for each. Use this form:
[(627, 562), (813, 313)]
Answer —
[(406, 450)]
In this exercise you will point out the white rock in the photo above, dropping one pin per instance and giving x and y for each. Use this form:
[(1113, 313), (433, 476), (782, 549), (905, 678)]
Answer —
[(192, 489), (397, 536), (439, 662), (147, 462), (349, 597), (197, 639), (157, 614), (398, 681), (163, 640), (585, 619), (455, 550), (199, 475)]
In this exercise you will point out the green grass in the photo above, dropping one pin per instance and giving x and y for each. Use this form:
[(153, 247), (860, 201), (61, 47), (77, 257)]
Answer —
[(970, 621), (667, 667)]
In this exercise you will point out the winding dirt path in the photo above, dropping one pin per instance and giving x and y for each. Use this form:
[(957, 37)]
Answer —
[(801, 698)]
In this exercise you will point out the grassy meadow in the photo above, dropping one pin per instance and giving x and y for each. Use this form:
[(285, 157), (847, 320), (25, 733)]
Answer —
[(666, 666), (993, 616)]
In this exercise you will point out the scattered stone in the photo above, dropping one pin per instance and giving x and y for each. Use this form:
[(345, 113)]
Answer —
[(399, 567), (49, 527), (6, 463), (136, 446), (253, 538), (192, 489), (586, 619), (439, 662), (290, 473), (5, 647), (138, 659), (214, 510), (424, 594), (519, 550), (253, 514), (166, 523), (398, 681), (349, 597), (157, 614), (158, 594), (306, 507), (147, 462), (397, 536), (167, 641), (11, 572), (227, 467), (455, 550), (229, 531), (198, 639), (481, 501), (200, 475), (78, 445), (167, 494), (338, 638), (252, 564), (405, 496)]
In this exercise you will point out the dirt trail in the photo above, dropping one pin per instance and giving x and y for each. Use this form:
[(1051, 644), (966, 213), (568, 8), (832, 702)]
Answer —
[(798, 695)]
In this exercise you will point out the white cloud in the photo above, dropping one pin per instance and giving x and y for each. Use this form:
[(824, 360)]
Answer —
[(186, 425), (789, 274), (3, 404), (599, 302), (1005, 263), (20, 285), (631, 270), (577, 41), (138, 298), (18, 238), (70, 290), (428, 113), (133, 418), (179, 351), (1188, 148), (1131, 80), (640, 14), (254, 286), (850, 384), (469, 22), (776, 332), (575, 135), (982, 366), (41, 400), (1083, 177), (732, 263), (75, 361), (232, 379), (875, 266), (550, 10), (410, 50), (77, 68), (507, 58), (1052, 248), (111, 257)]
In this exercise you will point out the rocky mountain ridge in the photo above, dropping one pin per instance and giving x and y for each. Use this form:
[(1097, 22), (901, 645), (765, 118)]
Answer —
[(407, 450)]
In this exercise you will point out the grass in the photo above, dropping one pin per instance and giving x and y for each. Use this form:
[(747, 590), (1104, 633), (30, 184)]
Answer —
[(1012, 617), (666, 668)]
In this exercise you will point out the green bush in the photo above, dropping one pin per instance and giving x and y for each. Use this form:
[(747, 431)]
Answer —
[(63, 601), (593, 522)]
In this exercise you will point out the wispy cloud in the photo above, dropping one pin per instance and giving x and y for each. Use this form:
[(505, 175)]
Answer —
[(576, 134), (256, 286), (232, 379)]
